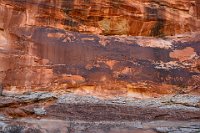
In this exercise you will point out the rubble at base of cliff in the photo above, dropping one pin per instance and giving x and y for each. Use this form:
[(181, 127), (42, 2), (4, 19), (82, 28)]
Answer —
[(89, 114)]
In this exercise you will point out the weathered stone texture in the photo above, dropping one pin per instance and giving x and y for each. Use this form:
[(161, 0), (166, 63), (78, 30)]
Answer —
[(95, 66), (107, 17)]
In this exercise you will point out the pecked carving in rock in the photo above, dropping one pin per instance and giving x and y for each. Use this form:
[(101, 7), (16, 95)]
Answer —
[(48, 59), (61, 66), (39, 52)]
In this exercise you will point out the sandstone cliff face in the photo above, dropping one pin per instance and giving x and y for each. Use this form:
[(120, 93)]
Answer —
[(43, 47), (62, 70), (107, 17)]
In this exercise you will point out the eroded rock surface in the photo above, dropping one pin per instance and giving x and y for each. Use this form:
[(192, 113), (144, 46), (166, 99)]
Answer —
[(108, 17), (99, 65), (62, 71), (75, 113), (39, 53)]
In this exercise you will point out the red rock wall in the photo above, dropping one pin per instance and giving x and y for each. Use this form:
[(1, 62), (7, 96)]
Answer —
[(129, 17), (40, 51), (56, 78), (198, 9)]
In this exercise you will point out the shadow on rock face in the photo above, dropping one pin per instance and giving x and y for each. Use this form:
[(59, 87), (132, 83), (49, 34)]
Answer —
[(154, 13), (1, 89)]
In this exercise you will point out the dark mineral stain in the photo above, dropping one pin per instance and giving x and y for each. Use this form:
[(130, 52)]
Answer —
[(195, 45), (1, 89), (77, 54)]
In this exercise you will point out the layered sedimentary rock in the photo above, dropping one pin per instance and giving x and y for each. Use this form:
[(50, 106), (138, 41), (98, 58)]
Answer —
[(48, 59), (39, 52), (69, 113), (107, 17), (60, 65)]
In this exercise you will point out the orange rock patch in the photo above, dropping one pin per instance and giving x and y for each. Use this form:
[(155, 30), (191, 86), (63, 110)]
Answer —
[(184, 54)]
